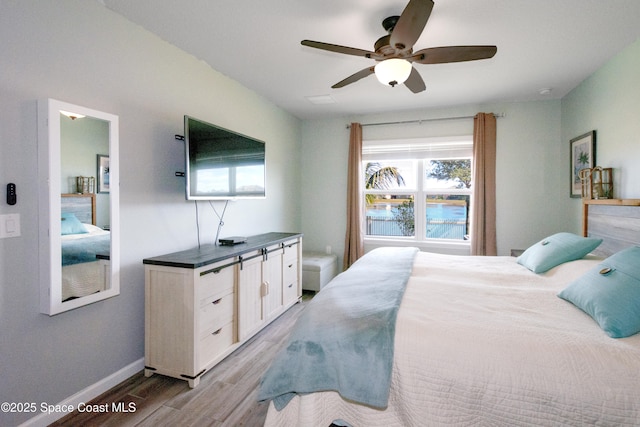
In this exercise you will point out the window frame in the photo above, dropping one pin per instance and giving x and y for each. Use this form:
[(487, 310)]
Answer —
[(420, 151)]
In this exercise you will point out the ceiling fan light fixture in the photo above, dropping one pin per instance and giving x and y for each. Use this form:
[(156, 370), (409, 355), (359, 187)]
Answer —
[(393, 71)]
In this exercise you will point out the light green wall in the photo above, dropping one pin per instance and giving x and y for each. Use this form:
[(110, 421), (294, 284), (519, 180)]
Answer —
[(609, 103)]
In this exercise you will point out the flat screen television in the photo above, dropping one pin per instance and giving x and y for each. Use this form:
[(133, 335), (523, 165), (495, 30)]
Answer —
[(221, 164)]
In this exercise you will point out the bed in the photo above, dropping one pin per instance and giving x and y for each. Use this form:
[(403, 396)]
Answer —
[(85, 248), (477, 341)]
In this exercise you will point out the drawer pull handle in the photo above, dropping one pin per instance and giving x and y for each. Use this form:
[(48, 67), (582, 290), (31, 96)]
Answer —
[(291, 285), (217, 332), (290, 265), (217, 301)]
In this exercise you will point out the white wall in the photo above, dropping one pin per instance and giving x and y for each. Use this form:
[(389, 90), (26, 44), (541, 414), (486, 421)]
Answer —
[(80, 52), (324, 153), (532, 195)]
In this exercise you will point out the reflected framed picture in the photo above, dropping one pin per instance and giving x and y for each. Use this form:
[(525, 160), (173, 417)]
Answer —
[(583, 155), (103, 173)]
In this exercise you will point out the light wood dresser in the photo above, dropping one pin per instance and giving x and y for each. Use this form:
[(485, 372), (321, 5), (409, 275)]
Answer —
[(202, 304)]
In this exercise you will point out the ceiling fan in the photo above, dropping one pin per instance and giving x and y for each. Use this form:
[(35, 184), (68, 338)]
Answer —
[(394, 52)]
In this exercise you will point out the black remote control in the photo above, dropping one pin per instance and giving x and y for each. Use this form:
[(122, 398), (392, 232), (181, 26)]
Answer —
[(11, 194)]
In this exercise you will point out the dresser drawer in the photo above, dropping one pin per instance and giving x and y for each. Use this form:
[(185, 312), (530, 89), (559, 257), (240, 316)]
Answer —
[(215, 281), (216, 313), (289, 291), (289, 276), (290, 251), (215, 342), (290, 265), (290, 269)]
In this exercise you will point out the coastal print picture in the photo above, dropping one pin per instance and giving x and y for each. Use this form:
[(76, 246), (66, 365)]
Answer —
[(583, 152), (103, 173)]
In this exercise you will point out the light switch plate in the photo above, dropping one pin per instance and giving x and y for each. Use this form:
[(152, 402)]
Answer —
[(9, 225)]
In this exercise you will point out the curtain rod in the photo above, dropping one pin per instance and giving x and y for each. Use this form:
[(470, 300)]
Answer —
[(420, 121)]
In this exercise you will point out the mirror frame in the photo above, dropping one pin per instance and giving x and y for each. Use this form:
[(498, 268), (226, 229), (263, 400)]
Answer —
[(49, 195)]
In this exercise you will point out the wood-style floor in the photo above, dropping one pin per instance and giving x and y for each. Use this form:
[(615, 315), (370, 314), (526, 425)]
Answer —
[(226, 395)]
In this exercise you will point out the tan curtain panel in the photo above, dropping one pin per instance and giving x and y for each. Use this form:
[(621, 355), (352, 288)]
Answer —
[(483, 226), (354, 239)]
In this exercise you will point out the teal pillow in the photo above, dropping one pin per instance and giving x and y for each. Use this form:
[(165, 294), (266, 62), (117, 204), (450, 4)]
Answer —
[(556, 250), (70, 224), (610, 293)]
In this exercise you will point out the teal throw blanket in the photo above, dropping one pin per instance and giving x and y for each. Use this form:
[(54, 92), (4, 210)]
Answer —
[(344, 339), (87, 249)]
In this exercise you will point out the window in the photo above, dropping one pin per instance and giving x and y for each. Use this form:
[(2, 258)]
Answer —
[(434, 172), (237, 179)]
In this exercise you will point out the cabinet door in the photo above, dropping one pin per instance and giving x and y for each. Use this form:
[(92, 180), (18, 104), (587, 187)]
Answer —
[(250, 288), (169, 320), (272, 282)]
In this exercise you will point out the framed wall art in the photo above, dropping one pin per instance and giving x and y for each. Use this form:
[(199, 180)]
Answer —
[(583, 155), (103, 173)]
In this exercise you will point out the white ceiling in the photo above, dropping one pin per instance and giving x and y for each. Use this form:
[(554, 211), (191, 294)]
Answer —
[(541, 44)]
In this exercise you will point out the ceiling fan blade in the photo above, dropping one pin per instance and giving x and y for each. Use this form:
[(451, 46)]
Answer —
[(415, 82), (410, 24), (354, 77), (441, 55), (340, 49)]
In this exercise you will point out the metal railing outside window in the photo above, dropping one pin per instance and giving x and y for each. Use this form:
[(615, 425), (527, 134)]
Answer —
[(437, 228)]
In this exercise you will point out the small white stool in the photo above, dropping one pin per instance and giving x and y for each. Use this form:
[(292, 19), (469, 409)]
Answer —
[(318, 268)]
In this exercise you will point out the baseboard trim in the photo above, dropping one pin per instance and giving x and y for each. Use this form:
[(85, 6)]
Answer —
[(87, 394)]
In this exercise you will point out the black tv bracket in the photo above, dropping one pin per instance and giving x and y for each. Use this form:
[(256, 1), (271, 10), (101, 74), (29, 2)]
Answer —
[(179, 138)]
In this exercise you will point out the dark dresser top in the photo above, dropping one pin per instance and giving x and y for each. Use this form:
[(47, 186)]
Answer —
[(209, 254)]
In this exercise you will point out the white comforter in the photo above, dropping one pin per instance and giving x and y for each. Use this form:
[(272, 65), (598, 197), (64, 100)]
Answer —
[(484, 341)]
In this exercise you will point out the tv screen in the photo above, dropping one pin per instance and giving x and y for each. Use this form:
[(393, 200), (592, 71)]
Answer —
[(222, 164)]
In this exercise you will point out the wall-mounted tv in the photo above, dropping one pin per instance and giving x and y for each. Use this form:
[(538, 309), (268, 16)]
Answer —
[(221, 164)]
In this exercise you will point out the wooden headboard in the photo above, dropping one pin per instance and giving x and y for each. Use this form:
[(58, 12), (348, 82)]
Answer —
[(615, 221), (82, 205)]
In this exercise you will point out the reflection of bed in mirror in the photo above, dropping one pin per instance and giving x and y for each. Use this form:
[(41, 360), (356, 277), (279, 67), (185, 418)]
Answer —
[(85, 247)]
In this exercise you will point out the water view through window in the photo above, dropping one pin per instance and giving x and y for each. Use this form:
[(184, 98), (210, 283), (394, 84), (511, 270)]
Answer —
[(447, 216)]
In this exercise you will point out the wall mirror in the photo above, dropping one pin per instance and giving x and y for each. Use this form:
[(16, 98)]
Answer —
[(79, 206)]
